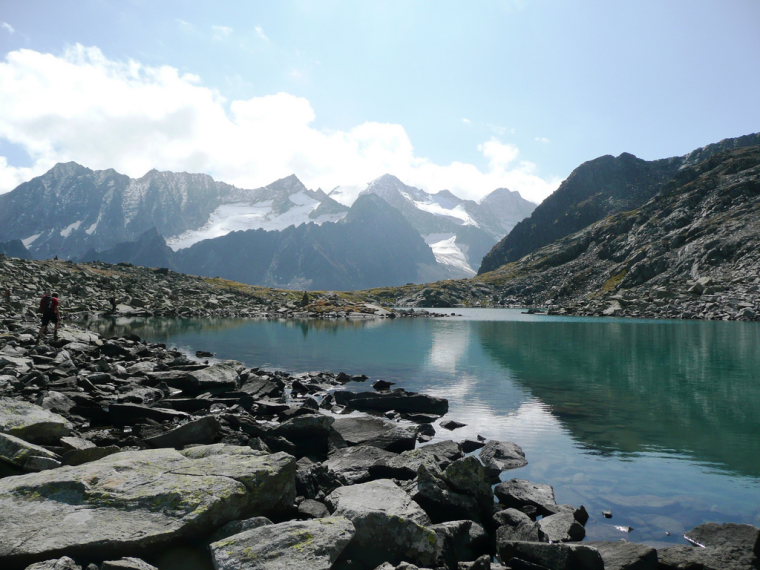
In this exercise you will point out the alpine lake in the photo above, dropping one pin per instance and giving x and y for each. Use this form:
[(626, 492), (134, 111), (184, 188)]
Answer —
[(657, 422)]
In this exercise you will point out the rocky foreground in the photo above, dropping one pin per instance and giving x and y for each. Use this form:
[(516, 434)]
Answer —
[(117, 453)]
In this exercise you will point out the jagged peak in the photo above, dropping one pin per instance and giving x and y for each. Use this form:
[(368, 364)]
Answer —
[(290, 183), (67, 169)]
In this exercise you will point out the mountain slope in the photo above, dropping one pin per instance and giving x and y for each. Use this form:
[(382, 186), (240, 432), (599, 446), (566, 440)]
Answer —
[(692, 251), (594, 190)]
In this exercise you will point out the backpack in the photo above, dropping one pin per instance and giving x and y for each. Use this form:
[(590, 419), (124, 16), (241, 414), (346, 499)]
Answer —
[(47, 305)]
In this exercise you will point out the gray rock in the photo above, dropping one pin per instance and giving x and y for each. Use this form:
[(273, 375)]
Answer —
[(88, 454), (314, 544), (460, 541), (215, 378), (626, 555), (56, 402), (515, 525), (64, 563), (204, 430), (138, 499), (390, 526), (519, 493), (31, 422), (727, 546), (499, 456), (561, 527), (311, 509), (367, 430), (353, 463), (407, 464), (236, 527), (25, 455), (560, 556), (432, 491), (400, 401)]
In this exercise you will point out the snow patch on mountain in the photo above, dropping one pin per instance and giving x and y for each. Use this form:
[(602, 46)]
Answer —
[(240, 216), (448, 252), (345, 195), (457, 211), (30, 240), (66, 232)]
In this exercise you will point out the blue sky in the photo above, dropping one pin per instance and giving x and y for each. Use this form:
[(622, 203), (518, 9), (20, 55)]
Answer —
[(468, 96)]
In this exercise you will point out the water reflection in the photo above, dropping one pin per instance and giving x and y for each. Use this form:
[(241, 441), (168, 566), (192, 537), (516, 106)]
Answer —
[(634, 387)]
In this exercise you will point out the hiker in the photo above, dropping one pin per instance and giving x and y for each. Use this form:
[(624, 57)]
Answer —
[(50, 309), (112, 300)]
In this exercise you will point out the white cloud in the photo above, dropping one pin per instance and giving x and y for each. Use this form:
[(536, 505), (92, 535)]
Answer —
[(221, 32), (262, 35), (7, 27), (102, 113), (542, 140)]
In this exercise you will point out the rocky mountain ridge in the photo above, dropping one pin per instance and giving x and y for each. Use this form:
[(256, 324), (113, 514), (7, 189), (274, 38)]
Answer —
[(72, 210), (596, 189)]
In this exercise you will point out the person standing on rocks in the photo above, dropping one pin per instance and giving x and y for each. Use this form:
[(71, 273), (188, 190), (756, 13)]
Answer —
[(50, 307)]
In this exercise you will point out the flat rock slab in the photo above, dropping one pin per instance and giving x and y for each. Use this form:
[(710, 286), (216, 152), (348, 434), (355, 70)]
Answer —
[(137, 499), (367, 430), (400, 401), (390, 526), (31, 422), (314, 545), (560, 556)]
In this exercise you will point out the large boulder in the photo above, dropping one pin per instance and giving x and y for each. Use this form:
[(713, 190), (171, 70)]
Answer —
[(353, 464), (499, 456), (310, 434), (138, 499), (728, 546), (204, 430), (390, 526), (378, 432), (559, 556), (407, 464), (459, 492), (31, 422), (314, 544), (521, 494), (216, 378), (626, 555)]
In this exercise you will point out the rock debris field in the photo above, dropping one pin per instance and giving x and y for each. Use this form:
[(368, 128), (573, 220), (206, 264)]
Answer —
[(117, 453)]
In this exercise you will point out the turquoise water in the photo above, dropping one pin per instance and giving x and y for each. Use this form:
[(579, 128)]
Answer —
[(656, 421)]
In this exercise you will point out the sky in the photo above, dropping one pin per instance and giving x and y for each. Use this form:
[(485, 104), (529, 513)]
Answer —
[(465, 96)]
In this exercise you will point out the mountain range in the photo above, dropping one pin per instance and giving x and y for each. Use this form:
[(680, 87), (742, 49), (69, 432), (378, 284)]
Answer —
[(289, 235)]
